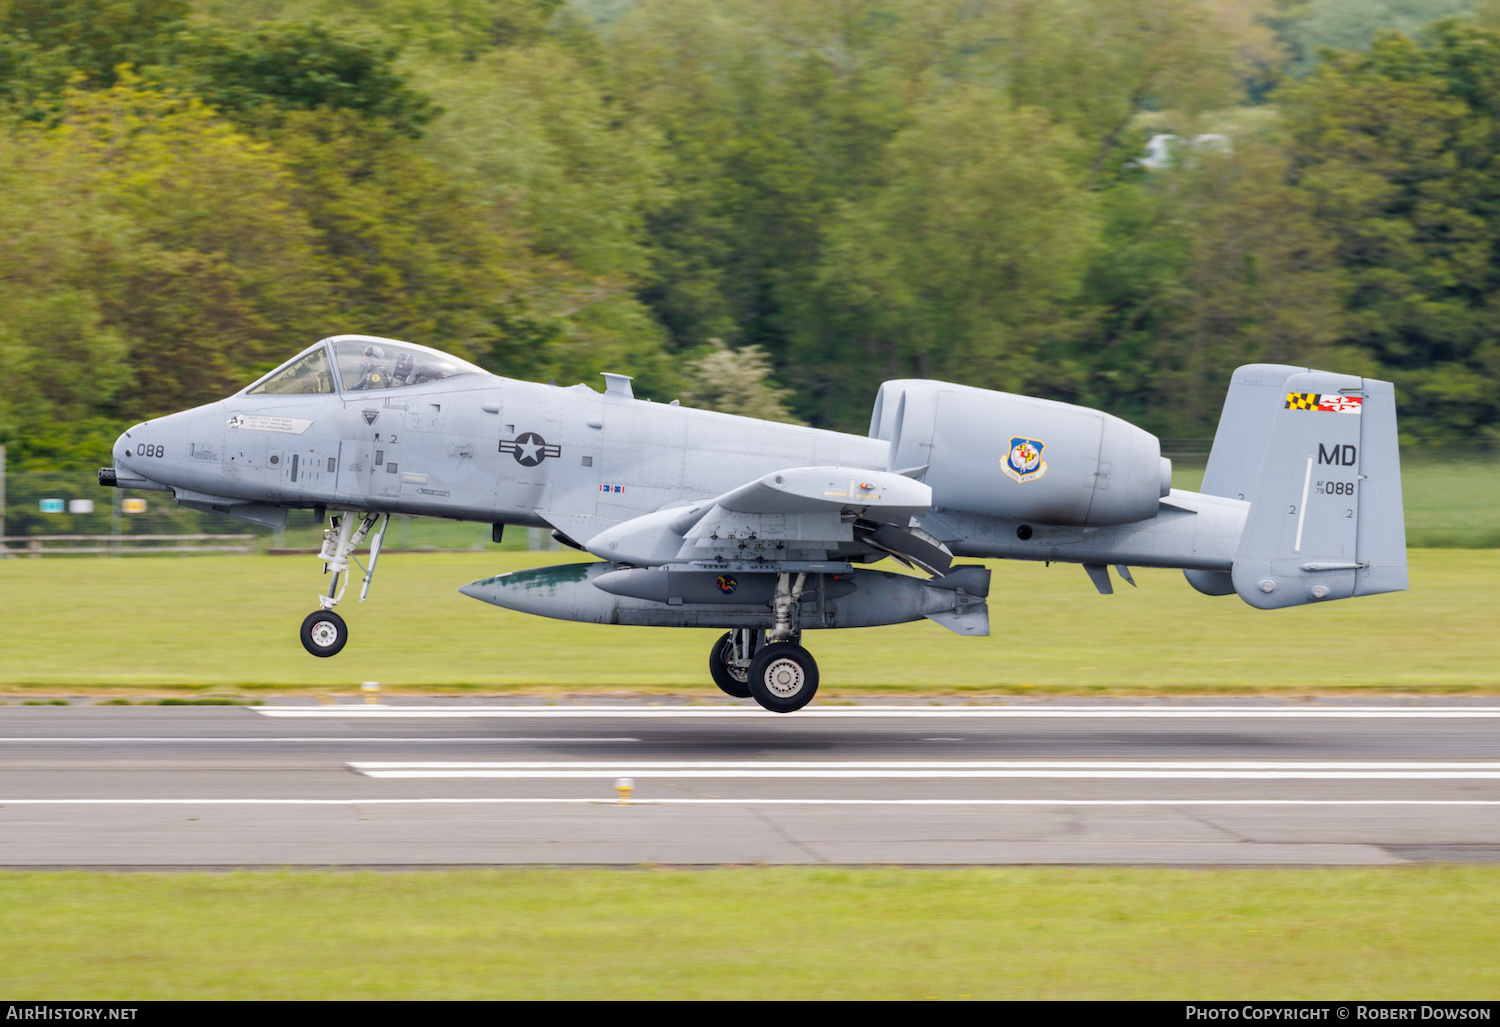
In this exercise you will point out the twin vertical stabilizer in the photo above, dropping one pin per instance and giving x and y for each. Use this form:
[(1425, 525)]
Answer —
[(1326, 519)]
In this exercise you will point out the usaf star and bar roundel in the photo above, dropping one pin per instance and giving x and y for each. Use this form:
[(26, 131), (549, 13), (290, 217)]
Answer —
[(530, 449), (1326, 404)]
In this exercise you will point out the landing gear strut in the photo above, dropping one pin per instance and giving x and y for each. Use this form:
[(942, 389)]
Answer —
[(771, 666), (324, 632)]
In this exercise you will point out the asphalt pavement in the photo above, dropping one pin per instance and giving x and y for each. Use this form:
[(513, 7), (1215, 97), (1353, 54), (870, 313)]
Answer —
[(430, 783)]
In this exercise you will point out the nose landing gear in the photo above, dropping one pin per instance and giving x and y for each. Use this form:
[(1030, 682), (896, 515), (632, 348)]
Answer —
[(323, 631)]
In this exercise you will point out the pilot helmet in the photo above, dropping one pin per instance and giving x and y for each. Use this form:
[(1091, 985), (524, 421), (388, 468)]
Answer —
[(375, 351)]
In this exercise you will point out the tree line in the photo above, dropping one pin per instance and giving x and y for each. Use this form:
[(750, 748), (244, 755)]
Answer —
[(766, 206)]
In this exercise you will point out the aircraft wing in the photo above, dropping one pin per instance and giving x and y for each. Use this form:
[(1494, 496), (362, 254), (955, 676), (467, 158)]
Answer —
[(800, 514), (877, 495)]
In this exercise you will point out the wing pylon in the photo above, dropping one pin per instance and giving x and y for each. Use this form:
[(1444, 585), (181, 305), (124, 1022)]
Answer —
[(797, 519)]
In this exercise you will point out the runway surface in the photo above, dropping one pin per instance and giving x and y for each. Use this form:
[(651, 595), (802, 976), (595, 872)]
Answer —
[(442, 783)]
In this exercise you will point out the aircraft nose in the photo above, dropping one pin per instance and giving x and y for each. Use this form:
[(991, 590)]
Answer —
[(123, 452), (143, 457), (123, 470)]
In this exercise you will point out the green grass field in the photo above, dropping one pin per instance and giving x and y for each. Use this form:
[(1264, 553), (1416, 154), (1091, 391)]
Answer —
[(1408, 932), (230, 622)]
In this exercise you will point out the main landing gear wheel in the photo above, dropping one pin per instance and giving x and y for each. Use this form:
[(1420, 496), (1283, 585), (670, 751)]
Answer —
[(324, 633), (731, 680), (783, 677)]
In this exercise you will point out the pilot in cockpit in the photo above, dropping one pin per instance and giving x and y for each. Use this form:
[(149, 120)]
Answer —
[(373, 372)]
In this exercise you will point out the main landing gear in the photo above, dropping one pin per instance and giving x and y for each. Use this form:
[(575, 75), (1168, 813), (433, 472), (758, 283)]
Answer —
[(769, 666), (323, 631), (729, 661), (781, 676)]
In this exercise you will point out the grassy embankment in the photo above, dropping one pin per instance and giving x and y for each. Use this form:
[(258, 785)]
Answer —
[(230, 622), (1418, 932)]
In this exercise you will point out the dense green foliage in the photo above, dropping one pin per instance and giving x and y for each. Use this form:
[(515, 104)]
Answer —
[(732, 198), (1312, 25)]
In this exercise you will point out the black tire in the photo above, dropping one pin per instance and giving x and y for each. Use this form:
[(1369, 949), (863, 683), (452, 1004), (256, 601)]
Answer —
[(727, 678), (324, 633), (783, 677)]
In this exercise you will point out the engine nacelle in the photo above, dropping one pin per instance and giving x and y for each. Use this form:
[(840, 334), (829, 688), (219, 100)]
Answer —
[(1004, 455)]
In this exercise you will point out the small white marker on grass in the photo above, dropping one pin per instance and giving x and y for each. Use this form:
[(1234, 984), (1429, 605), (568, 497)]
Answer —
[(372, 691)]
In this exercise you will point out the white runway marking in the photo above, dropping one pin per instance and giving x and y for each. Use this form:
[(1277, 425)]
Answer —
[(748, 802), (372, 712), (947, 769), (146, 740), (635, 764)]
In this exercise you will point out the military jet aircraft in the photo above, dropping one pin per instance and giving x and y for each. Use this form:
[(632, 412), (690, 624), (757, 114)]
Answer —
[(767, 531)]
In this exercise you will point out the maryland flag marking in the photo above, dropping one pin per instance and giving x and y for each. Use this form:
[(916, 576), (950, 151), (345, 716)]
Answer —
[(1324, 404)]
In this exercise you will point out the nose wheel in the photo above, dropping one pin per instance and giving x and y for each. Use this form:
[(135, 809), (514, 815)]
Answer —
[(324, 633)]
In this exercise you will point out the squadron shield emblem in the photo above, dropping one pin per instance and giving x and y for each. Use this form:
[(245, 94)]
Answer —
[(726, 584), (1024, 461)]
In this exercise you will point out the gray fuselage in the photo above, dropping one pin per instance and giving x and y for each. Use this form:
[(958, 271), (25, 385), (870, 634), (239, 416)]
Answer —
[(480, 447)]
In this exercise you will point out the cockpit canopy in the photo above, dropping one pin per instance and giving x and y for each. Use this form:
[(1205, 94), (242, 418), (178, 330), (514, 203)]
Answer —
[(363, 363)]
